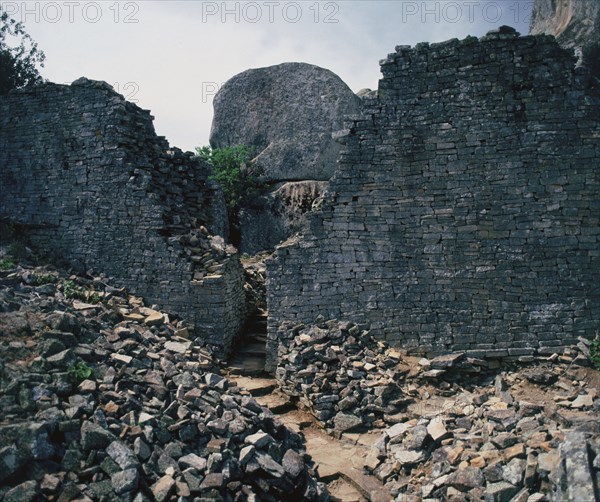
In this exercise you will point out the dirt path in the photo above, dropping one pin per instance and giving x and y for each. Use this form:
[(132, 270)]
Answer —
[(339, 462)]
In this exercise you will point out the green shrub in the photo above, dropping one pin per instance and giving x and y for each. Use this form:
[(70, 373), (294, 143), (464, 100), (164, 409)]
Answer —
[(72, 291), (595, 352), (231, 170), (45, 279), (79, 372), (6, 264)]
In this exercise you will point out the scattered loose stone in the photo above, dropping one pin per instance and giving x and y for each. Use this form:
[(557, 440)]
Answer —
[(485, 443), (150, 414)]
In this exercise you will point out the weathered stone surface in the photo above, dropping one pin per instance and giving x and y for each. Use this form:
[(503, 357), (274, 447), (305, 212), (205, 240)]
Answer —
[(574, 479), (500, 492), (421, 254), (157, 419), (94, 185), (280, 213), (409, 457), (465, 479), (163, 488), (25, 492), (437, 430), (293, 463), (95, 437), (574, 23), (192, 460), (289, 113), (32, 439), (125, 481), (11, 460), (346, 421), (122, 455), (259, 440)]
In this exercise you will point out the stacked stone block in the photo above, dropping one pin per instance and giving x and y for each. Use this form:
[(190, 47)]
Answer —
[(84, 172), (465, 213)]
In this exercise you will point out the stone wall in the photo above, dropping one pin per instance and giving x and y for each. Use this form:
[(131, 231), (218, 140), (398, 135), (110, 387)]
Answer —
[(465, 214), (84, 172)]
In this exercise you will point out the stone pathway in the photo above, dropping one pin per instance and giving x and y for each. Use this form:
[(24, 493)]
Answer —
[(339, 462), (248, 356)]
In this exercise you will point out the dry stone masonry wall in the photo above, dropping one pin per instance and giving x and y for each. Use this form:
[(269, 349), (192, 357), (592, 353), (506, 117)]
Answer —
[(83, 170), (465, 212)]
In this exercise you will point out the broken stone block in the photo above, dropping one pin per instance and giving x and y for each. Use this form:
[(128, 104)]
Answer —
[(409, 457), (124, 481), (466, 479), (163, 488), (345, 421), (11, 460), (122, 455), (500, 492), (437, 430), (25, 492)]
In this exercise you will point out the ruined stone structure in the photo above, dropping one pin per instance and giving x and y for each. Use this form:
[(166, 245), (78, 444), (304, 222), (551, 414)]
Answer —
[(291, 114), (83, 170), (465, 213)]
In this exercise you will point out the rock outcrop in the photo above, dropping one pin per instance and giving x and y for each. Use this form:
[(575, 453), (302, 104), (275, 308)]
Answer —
[(282, 212), (574, 23), (291, 114)]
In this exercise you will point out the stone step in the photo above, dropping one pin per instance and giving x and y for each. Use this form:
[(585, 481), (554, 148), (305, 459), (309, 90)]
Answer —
[(249, 365), (369, 486), (254, 336), (258, 326), (256, 386), (277, 402)]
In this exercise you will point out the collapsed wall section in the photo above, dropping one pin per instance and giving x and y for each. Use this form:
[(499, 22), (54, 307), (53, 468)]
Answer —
[(84, 172), (465, 212)]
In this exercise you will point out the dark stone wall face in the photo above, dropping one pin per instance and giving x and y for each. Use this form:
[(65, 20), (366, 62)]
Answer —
[(83, 170), (466, 213)]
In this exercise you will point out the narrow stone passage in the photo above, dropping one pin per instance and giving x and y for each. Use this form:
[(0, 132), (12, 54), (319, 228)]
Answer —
[(248, 356), (339, 462)]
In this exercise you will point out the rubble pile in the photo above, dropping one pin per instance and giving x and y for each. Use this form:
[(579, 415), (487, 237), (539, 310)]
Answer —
[(455, 427), (345, 378), (103, 398), (488, 444), (208, 253)]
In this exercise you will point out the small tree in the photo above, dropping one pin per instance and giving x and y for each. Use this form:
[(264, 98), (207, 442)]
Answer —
[(239, 184), (18, 61)]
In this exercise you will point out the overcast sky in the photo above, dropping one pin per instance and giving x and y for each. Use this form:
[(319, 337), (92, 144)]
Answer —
[(171, 56)]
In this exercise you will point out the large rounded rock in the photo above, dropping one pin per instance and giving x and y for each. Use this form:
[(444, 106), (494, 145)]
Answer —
[(289, 113), (574, 23)]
